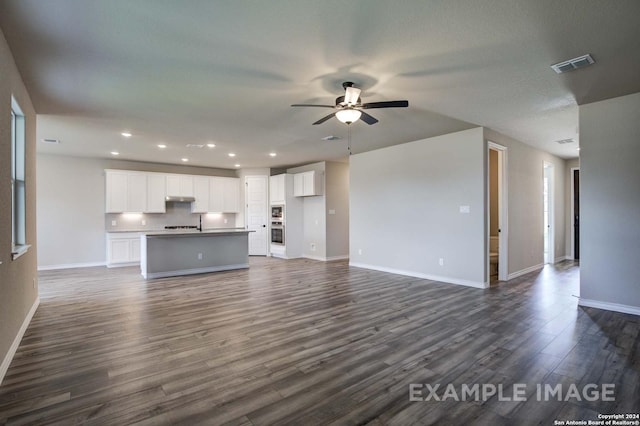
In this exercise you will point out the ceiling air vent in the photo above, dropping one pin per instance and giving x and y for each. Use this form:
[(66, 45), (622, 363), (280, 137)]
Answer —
[(565, 141), (51, 141), (573, 64), (330, 138)]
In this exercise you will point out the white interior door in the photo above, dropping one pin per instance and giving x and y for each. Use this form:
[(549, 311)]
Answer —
[(257, 203)]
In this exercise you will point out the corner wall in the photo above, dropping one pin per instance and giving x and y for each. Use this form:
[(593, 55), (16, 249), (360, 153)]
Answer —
[(610, 204), (525, 198), (337, 204), (314, 217), (18, 278), (405, 208)]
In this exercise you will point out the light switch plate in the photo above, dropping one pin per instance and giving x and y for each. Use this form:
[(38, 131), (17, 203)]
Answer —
[(114, 223), (465, 209), (332, 211)]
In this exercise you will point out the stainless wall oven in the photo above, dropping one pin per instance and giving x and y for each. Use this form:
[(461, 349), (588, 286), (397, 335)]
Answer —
[(277, 234)]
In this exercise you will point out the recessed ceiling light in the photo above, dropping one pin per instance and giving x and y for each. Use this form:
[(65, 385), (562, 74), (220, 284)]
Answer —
[(231, 154), (272, 154), (115, 153), (237, 165), (185, 159), (162, 146), (126, 134), (211, 145)]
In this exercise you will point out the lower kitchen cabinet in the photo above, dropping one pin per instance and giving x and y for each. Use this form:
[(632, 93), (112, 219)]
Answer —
[(123, 249)]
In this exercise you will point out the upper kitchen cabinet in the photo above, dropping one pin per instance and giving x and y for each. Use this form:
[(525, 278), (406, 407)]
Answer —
[(156, 191), (201, 189), (231, 195), (179, 185), (307, 184), (277, 194), (125, 191), (224, 195)]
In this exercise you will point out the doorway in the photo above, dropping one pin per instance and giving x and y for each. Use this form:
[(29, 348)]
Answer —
[(497, 201), (256, 216), (547, 213), (575, 209)]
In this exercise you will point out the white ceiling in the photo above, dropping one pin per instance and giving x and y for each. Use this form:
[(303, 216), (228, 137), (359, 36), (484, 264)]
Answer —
[(191, 72)]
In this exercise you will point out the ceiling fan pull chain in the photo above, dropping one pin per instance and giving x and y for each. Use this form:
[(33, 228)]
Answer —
[(349, 139)]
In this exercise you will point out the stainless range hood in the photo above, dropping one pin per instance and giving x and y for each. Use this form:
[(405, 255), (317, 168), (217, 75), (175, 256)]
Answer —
[(177, 199)]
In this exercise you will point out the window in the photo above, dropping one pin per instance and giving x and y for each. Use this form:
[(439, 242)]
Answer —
[(18, 188)]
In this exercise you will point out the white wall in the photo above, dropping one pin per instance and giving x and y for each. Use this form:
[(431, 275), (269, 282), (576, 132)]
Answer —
[(314, 218), (525, 197), (70, 209), (404, 205), (337, 201), (610, 204)]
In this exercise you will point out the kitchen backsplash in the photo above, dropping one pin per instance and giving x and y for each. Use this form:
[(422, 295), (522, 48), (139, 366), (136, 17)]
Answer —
[(176, 214)]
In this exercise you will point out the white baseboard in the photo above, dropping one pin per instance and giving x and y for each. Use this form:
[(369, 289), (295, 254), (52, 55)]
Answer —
[(16, 342), (562, 258), (608, 306), (165, 274), (122, 265), (70, 266), (332, 258), (325, 259), (320, 258), (448, 280), (524, 271)]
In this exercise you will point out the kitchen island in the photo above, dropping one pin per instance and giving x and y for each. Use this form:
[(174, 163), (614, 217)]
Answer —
[(174, 253)]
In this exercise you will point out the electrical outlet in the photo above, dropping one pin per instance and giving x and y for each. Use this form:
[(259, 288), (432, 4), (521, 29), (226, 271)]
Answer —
[(199, 256), (441, 261), (114, 223), (144, 222), (226, 220), (359, 251), (313, 246)]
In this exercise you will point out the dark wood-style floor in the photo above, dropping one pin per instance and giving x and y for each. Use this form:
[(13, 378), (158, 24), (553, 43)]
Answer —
[(305, 342)]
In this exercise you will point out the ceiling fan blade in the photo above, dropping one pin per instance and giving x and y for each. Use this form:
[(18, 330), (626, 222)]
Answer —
[(367, 118), (386, 104), (313, 105), (351, 95), (323, 119)]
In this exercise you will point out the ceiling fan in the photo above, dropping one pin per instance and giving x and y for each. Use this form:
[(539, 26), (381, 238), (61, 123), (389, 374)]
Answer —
[(349, 107)]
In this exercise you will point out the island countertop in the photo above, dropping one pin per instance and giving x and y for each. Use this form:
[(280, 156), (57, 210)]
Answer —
[(196, 233)]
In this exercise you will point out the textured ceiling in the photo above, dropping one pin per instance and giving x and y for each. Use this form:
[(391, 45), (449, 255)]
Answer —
[(192, 72)]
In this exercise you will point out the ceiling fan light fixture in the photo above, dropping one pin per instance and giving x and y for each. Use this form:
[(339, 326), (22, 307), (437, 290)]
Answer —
[(348, 115)]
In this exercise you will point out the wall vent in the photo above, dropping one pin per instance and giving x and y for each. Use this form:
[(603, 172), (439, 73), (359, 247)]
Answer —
[(51, 141), (330, 138), (573, 64), (565, 141)]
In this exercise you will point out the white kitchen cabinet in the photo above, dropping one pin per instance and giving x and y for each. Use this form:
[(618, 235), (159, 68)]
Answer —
[(136, 192), (116, 191), (156, 191), (277, 194), (231, 195), (125, 191), (224, 195), (123, 249), (180, 185), (215, 195), (201, 194), (307, 184)]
